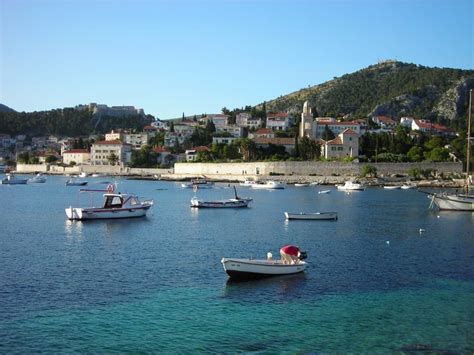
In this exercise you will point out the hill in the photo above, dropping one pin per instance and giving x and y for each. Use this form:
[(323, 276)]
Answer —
[(390, 88), (4, 108)]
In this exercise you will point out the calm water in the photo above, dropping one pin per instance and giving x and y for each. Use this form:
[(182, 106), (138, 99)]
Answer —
[(374, 284)]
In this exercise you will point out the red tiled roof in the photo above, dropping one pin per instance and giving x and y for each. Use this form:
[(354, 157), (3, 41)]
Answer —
[(113, 142), (201, 148), (277, 141), (424, 124), (277, 115), (76, 151), (385, 119), (160, 150), (263, 131), (335, 141), (150, 128), (350, 132)]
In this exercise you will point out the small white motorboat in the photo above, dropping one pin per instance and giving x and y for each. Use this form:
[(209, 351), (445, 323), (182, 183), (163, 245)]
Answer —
[(392, 187), (83, 174), (324, 191), (12, 180), (75, 182), (247, 183), (351, 186), (407, 187), (268, 185), (200, 183), (315, 216), (247, 269), (116, 205), (38, 179), (301, 184)]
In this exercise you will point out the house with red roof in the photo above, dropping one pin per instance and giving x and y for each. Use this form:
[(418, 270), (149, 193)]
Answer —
[(281, 121), (346, 144), (385, 122), (262, 133), (288, 143), (192, 154), (336, 127)]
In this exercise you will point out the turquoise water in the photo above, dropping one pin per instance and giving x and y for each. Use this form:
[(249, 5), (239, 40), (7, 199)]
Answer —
[(156, 284)]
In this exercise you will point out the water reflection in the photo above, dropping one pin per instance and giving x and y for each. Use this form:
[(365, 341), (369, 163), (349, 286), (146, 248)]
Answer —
[(73, 228), (282, 285)]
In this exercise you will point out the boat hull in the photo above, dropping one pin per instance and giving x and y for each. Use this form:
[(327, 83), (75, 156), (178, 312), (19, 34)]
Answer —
[(220, 204), (319, 216), (14, 182), (268, 186), (247, 269), (453, 202), (81, 214)]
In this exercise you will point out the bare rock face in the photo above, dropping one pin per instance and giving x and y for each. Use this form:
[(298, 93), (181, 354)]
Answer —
[(453, 103)]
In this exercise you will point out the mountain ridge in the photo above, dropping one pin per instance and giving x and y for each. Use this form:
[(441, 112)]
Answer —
[(390, 88)]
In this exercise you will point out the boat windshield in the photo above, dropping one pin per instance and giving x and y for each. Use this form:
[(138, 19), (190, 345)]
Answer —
[(113, 201)]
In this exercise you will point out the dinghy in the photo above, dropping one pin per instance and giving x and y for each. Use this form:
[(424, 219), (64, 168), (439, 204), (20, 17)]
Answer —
[(247, 269), (316, 216)]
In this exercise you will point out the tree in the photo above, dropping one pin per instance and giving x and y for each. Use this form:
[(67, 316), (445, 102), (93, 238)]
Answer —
[(415, 154), (308, 149), (51, 159), (327, 134), (113, 159), (369, 170), (171, 126)]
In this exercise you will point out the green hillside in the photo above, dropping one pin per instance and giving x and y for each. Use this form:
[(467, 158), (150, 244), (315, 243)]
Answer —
[(390, 88)]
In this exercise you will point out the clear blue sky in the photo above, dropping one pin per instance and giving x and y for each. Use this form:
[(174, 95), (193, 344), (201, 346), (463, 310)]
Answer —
[(170, 57)]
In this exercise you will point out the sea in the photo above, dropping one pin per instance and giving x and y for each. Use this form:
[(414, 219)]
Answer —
[(390, 275)]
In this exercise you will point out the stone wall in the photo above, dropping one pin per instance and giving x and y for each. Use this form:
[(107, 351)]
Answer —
[(307, 168), (89, 169)]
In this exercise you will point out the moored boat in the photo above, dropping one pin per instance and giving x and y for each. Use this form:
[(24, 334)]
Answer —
[(38, 179), (116, 205), (236, 202), (301, 184), (324, 191), (268, 185), (407, 187), (247, 183), (390, 187), (247, 269), (12, 180), (351, 186), (75, 182), (315, 216), (454, 202), (200, 183)]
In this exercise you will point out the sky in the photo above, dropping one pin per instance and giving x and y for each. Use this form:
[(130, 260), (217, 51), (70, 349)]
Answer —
[(192, 57)]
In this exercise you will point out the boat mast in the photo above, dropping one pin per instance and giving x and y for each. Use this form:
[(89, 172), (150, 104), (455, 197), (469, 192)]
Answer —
[(468, 155)]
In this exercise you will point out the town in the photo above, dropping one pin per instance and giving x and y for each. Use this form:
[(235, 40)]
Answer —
[(243, 136)]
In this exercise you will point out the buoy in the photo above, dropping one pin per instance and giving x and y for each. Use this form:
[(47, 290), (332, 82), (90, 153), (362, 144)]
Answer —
[(388, 242), (438, 216), (422, 230), (269, 256)]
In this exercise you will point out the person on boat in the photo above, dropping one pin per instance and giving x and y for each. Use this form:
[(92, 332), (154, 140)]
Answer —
[(290, 254)]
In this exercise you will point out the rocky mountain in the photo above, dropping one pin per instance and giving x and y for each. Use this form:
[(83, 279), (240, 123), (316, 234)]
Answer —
[(390, 88), (4, 108)]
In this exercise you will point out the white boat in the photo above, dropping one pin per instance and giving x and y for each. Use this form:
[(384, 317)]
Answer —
[(200, 183), (407, 187), (245, 269), (351, 186), (236, 202), (38, 179), (301, 184), (83, 174), (115, 206), (272, 185), (247, 183), (392, 187), (75, 182), (321, 216), (324, 191), (453, 202), (12, 180)]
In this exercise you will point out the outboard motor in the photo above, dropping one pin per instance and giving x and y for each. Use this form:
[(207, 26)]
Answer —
[(303, 255)]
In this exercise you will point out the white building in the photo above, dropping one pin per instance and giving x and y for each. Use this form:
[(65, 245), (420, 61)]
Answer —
[(281, 121), (406, 121), (192, 154), (234, 131), (136, 140), (101, 151), (346, 144), (335, 127), (217, 119), (114, 135), (223, 140), (79, 156)]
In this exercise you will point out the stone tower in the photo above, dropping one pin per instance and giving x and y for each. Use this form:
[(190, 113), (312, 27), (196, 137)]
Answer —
[(306, 125)]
